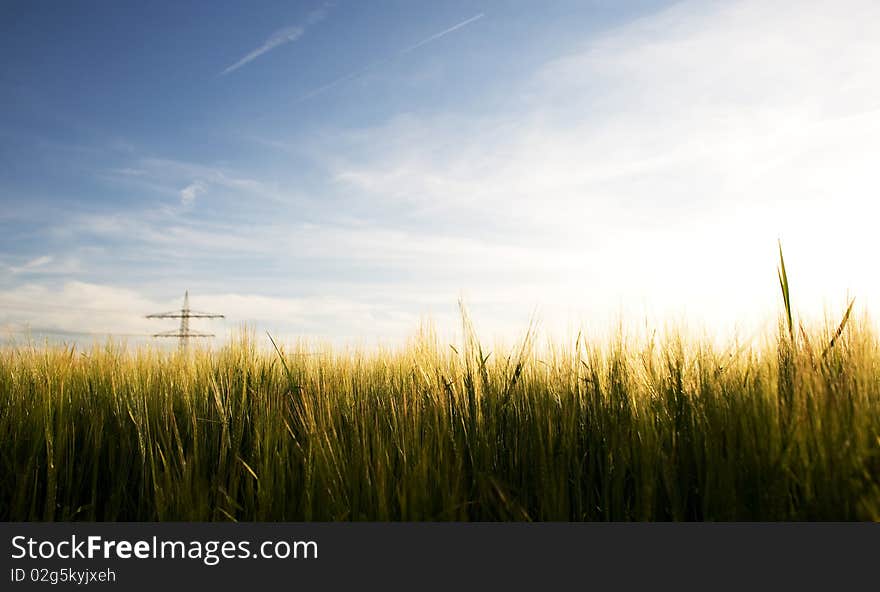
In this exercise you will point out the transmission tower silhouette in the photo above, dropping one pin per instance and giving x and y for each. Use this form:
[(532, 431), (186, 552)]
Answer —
[(184, 333)]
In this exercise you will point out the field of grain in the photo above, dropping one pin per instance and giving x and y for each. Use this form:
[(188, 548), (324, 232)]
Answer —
[(670, 428), (652, 429)]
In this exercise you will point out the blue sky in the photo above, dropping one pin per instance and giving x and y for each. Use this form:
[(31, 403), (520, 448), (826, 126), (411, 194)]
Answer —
[(342, 170)]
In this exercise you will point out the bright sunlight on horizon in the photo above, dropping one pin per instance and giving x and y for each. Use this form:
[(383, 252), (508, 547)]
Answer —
[(341, 171)]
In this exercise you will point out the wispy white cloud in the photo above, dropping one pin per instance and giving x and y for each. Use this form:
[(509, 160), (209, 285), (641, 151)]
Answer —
[(189, 193), (45, 265), (165, 176), (277, 39), (32, 264)]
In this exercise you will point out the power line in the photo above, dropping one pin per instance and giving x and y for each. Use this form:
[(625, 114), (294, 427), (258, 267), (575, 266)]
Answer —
[(184, 334), (62, 332), (31, 307)]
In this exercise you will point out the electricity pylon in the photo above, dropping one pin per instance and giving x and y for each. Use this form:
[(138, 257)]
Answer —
[(183, 333)]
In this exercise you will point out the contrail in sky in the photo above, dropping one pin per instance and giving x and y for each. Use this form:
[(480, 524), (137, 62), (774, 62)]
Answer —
[(277, 39), (371, 65), (442, 33)]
